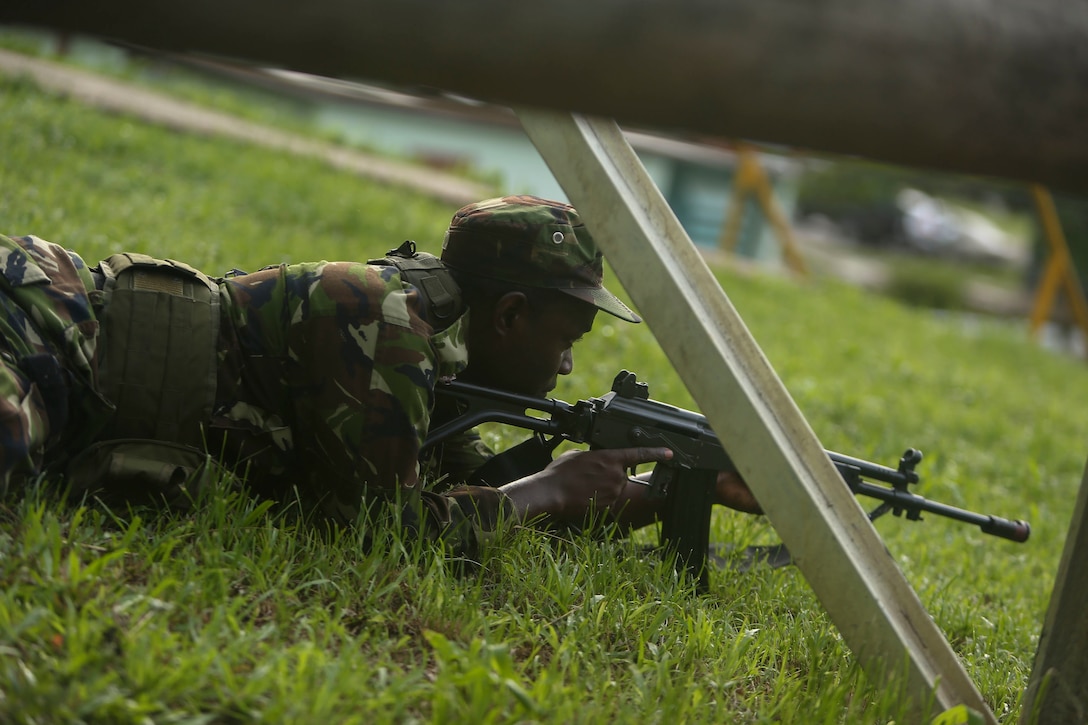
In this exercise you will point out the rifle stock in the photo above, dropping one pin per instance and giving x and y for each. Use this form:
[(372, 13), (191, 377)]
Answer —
[(627, 417)]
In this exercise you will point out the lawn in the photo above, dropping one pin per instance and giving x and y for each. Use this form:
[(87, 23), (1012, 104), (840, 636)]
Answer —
[(231, 614)]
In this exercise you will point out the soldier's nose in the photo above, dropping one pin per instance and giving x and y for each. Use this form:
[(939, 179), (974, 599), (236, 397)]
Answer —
[(566, 362)]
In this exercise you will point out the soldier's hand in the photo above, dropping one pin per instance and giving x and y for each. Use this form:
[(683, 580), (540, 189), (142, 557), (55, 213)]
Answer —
[(579, 481), (731, 490), (598, 479)]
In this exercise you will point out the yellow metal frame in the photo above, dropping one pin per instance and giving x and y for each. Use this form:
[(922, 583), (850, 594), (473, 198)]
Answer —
[(751, 180), (1059, 272)]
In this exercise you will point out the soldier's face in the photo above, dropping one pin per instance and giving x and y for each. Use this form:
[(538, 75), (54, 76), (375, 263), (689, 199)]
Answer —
[(547, 350), (525, 348)]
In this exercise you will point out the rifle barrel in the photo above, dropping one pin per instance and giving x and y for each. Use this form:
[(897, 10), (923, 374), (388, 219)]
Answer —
[(899, 500)]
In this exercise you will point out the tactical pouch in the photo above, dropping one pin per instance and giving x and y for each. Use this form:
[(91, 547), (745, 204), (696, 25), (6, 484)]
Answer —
[(157, 351), (141, 472), (426, 273)]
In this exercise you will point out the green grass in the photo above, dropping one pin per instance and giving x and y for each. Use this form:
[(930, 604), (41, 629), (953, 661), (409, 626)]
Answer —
[(239, 99), (232, 614), (102, 184), (290, 113)]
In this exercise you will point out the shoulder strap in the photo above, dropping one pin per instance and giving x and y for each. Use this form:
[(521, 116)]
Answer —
[(427, 274)]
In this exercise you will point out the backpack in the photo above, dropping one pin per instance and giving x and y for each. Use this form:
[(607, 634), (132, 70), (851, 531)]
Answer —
[(157, 365)]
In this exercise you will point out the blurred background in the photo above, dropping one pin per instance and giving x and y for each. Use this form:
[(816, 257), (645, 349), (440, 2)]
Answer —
[(968, 246)]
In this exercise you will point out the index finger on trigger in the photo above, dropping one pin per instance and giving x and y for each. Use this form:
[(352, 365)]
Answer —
[(644, 454)]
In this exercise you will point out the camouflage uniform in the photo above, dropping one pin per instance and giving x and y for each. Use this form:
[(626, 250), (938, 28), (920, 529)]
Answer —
[(325, 371), (326, 376), (48, 378), (326, 380)]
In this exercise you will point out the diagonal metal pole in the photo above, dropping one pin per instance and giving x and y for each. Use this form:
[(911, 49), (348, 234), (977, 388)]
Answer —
[(1058, 689), (836, 547)]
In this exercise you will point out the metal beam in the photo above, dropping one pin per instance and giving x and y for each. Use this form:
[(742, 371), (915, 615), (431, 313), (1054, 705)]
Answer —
[(990, 87), (833, 543), (1058, 689)]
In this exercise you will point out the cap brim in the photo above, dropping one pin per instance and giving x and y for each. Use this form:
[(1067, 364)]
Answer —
[(604, 300)]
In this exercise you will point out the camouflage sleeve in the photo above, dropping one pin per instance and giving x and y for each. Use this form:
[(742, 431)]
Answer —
[(454, 461), (466, 516), (48, 334), (358, 375), (24, 427), (334, 376)]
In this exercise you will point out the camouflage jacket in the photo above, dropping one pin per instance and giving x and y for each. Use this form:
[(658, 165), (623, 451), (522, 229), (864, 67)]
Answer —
[(325, 383), (48, 334)]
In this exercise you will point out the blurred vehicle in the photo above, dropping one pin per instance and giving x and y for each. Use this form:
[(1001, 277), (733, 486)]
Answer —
[(933, 226)]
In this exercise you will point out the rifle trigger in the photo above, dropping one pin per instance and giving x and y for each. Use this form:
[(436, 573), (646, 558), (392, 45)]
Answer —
[(660, 479)]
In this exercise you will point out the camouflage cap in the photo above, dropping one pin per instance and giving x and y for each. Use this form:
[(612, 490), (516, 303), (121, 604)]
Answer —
[(533, 242)]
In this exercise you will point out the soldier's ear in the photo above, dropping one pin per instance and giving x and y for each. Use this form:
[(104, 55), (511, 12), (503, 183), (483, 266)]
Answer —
[(510, 309)]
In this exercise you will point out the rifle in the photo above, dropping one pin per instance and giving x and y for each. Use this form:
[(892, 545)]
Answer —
[(627, 417)]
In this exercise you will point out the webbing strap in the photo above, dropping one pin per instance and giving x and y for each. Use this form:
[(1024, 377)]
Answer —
[(160, 323), (427, 273)]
